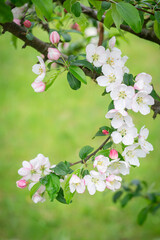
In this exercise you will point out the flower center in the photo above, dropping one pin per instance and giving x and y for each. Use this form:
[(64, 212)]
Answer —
[(118, 115), (33, 171), (40, 70), (112, 78), (122, 94), (139, 100), (110, 61), (95, 180), (95, 57), (99, 163), (130, 154), (123, 132)]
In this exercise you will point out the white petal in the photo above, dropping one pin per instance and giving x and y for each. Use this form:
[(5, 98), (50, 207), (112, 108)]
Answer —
[(116, 136), (100, 186), (102, 81)]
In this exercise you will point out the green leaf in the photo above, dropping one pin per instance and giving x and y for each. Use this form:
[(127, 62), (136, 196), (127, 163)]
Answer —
[(108, 145), (126, 199), (130, 15), (157, 16), (157, 28), (128, 79), (111, 105), (78, 73), (74, 83), (100, 133), (52, 184), (14, 41), (84, 172), (155, 95), (76, 9), (142, 216), (51, 80), (116, 16), (82, 21), (34, 189), (106, 5), (85, 151), (62, 168), (66, 36), (45, 8), (19, 3), (67, 5), (96, 4), (117, 195), (108, 20), (120, 156), (83, 63), (67, 194), (60, 196), (5, 13), (103, 152), (100, 14)]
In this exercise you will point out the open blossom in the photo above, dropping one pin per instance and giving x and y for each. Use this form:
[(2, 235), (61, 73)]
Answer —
[(95, 181), (143, 135), (53, 54), (142, 83), (118, 167), (111, 77), (119, 117), (76, 184), (101, 162), (114, 58), (96, 55), (22, 183), (113, 182), (54, 37), (141, 101), (91, 31), (122, 96), (38, 86), (17, 21), (125, 135), (39, 194), (39, 69), (113, 154), (131, 154)]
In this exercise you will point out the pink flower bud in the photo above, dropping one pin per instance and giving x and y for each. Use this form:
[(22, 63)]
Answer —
[(17, 21), (105, 132), (54, 37), (38, 86), (65, 11), (53, 54), (27, 23), (113, 154), (76, 26), (22, 183)]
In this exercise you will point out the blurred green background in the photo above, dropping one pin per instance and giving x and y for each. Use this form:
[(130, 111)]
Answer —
[(58, 123)]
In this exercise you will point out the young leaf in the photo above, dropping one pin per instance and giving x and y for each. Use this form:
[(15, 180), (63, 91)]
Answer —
[(100, 14), (157, 16), (85, 151), (126, 199), (111, 105), (108, 145), (62, 169), (108, 21), (78, 73), (128, 79), (5, 12), (117, 195), (96, 4), (157, 28), (130, 15), (34, 189), (66, 36), (142, 216), (155, 95), (67, 194), (44, 7), (83, 63), (14, 41), (116, 16), (76, 9), (74, 83), (60, 196), (106, 5)]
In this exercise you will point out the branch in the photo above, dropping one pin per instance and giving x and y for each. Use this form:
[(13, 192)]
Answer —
[(92, 154), (145, 33)]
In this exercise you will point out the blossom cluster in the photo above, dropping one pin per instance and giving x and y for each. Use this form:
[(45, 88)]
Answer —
[(31, 172), (136, 98)]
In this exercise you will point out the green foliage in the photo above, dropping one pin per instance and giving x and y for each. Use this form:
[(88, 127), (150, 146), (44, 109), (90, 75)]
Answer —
[(155, 95), (108, 145), (60, 197), (157, 28), (62, 168), (100, 133), (5, 13), (108, 20), (85, 151), (44, 8), (78, 73), (117, 195), (116, 16), (74, 83), (19, 3), (128, 79), (82, 63), (34, 189), (52, 184), (95, 3), (67, 194), (76, 9), (111, 105), (142, 216), (14, 41), (130, 15)]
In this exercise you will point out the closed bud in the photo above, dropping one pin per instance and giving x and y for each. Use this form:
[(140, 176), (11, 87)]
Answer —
[(54, 37), (22, 183), (105, 132), (113, 154), (38, 86), (53, 54), (27, 23)]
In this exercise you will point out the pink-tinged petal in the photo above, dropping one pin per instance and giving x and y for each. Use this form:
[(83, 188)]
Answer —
[(40, 78), (53, 54), (23, 171), (72, 188), (17, 21), (113, 154), (26, 164), (112, 42), (22, 183), (36, 69), (38, 86), (105, 132), (54, 37)]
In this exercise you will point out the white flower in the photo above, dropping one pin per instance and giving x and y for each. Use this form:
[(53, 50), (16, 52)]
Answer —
[(96, 55), (39, 194), (101, 162), (39, 69), (43, 164), (141, 101), (112, 77), (118, 167), (131, 154), (95, 181), (119, 117), (143, 83), (114, 58), (113, 182), (76, 184), (112, 42), (125, 135), (91, 31), (38, 86), (143, 135), (122, 96)]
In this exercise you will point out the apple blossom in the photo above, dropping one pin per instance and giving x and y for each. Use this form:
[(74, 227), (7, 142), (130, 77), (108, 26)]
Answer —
[(39, 194), (101, 162), (54, 37), (91, 31), (142, 83), (96, 55), (141, 101), (131, 154), (125, 135), (113, 182), (76, 26), (118, 167), (113, 154), (39, 69), (17, 21), (76, 184), (38, 86), (95, 181), (53, 54), (114, 58), (122, 96), (112, 42), (22, 183), (143, 135), (112, 77), (119, 117)]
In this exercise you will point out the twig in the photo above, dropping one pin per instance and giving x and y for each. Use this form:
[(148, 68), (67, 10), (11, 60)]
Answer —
[(101, 34)]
